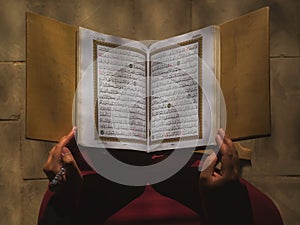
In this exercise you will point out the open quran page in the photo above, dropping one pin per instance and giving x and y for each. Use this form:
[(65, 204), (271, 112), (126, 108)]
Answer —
[(111, 93), (184, 94)]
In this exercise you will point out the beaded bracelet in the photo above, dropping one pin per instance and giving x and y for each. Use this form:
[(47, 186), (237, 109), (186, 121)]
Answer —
[(56, 179)]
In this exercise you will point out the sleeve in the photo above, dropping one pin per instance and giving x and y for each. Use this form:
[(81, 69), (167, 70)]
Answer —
[(227, 205), (62, 207), (59, 208), (99, 199), (264, 210), (54, 210)]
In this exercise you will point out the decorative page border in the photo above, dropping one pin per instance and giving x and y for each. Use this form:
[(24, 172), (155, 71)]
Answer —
[(200, 104), (95, 68)]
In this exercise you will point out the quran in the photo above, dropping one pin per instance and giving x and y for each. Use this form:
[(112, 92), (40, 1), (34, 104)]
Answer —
[(148, 95)]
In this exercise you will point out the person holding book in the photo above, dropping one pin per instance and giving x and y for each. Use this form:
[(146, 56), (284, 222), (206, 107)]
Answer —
[(78, 195)]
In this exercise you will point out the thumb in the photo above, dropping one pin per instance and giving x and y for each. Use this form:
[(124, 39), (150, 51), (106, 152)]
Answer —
[(208, 166)]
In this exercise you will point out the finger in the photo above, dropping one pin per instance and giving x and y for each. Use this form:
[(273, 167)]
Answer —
[(225, 149), (225, 155), (225, 137), (208, 166), (215, 174), (219, 140), (230, 166), (221, 132), (66, 139), (69, 161), (228, 141), (227, 166), (67, 156), (231, 146), (229, 155), (73, 174)]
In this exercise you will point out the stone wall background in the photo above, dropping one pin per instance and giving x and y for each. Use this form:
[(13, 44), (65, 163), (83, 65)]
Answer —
[(275, 162)]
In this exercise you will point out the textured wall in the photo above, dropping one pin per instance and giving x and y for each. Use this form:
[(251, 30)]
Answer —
[(275, 163)]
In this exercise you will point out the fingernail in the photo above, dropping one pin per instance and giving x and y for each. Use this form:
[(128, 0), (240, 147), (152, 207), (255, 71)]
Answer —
[(74, 130), (212, 156), (206, 161), (222, 132), (64, 151)]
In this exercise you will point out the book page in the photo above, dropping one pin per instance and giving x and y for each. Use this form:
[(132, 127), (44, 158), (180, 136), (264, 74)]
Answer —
[(111, 94), (185, 110), (176, 103), (121, 87)]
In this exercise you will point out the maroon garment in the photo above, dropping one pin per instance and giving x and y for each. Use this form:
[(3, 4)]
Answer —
[(173, 201), (264, 210), (154, 208)]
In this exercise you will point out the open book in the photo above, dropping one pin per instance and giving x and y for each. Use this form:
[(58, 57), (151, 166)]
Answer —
[(148, 95)]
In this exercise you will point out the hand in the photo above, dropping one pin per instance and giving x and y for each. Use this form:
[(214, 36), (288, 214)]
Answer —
[(60, 156), (222, 192), (229, 164)]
